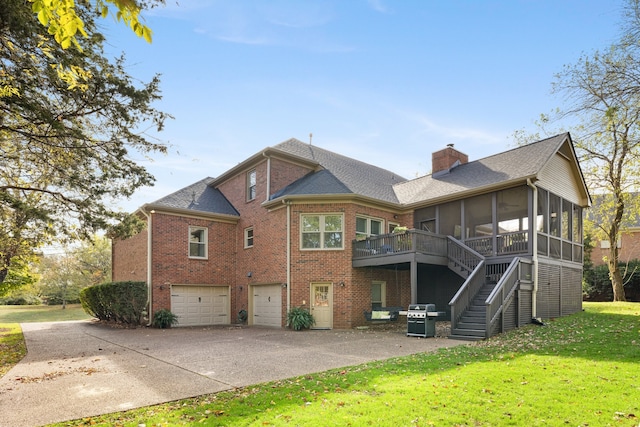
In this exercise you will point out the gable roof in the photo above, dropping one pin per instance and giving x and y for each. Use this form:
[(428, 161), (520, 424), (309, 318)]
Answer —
[(338, 175), (334, 175), (499, 170), (197, 197)]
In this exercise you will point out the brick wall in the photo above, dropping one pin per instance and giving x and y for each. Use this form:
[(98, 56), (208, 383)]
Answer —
[(129, 258), (171, 263), (352, 299), (229, 262), (629, 249)]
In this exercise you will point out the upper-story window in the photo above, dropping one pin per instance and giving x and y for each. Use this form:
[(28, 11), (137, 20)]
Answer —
[(251, 184), (248, 237), (322, 231), (366, 227), (197, 242)]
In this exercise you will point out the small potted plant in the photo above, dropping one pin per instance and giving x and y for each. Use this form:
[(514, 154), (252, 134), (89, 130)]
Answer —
[(299, 318)]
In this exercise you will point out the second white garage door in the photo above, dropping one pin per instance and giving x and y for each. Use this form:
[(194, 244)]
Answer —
[(267, 305), (200, 305)]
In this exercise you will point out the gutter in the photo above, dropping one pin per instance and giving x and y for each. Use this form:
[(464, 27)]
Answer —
[(534, 294), (149, 263)]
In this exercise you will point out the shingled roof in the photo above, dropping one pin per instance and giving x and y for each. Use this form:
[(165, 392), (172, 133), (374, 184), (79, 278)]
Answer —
[(197, 197), (515, 165), (339, 175), (336, 174)]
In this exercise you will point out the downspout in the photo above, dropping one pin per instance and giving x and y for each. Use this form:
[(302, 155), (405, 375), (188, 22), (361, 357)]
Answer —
[(149, 264), (268, 178), (288, 254), (534, 232)]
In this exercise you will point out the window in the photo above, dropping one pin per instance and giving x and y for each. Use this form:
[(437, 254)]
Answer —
[(321, 231), (251, 185), (197, 242), (366, 227), (378, 294), (248, 237), (606, 244), (449, 219), (478, 216)]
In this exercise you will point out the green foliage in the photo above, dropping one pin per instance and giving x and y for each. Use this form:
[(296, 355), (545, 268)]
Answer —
[(299, 318), (70, 133), (12, 346), (164, 319), (61, 21), (596, 285), (18, 275), (121, 302)]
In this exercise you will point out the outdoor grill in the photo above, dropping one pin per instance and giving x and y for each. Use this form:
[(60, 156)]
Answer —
[(421, 320)]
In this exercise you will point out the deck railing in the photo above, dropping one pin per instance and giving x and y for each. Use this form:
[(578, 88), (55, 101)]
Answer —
[(516, 242), (395, 243)]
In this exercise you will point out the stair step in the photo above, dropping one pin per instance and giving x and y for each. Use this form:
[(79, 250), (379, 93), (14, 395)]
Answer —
[(474, 314), (464, 338), (471, 325), (468, 332)]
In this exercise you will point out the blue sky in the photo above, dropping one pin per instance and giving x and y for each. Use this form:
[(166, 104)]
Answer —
[(386, 82)]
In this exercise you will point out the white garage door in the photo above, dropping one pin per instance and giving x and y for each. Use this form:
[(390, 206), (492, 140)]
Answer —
[(267, 305), (200, 305)]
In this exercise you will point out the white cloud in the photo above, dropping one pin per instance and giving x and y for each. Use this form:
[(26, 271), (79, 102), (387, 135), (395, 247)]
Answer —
[(378, 6)]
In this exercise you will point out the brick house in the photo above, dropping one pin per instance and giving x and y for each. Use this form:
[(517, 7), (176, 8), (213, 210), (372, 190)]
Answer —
[(629, 242), (298, 225)]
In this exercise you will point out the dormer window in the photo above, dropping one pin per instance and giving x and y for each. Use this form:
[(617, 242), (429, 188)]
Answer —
[(251, 185)]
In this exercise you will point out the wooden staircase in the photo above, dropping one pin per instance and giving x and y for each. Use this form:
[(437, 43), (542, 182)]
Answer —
[(472, 323)]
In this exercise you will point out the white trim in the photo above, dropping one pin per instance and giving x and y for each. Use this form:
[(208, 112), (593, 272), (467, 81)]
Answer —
[(321, 231), (246, 237), (204, 241)]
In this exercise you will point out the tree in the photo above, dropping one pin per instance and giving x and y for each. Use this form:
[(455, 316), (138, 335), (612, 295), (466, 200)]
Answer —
[(62, 276), (60, 280), (603, 93), (70, 123), (62, 21)]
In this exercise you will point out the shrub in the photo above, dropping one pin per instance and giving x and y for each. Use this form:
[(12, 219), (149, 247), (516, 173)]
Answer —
[(164, 319), (21, 300), (122, 302), (299, 318)]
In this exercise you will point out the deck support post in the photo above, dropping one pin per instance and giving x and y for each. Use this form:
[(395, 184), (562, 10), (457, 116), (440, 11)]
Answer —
[(414, 282)]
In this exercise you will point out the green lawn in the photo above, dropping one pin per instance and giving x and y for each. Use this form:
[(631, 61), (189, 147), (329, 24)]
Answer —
[(41, 313), (576, 371)]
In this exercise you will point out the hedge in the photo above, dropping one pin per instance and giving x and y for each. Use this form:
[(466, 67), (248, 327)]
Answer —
[(121, 302)]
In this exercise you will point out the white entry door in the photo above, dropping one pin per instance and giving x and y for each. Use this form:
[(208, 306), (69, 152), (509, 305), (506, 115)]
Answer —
[(322, 305), (200, 305), (267, 305)]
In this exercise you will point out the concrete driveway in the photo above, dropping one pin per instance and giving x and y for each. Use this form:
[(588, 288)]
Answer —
[(79, 369)]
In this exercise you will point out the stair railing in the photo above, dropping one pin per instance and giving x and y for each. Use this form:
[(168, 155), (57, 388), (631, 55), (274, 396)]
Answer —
[(472, 263), (502, 297), (462, 299), (462, 259)]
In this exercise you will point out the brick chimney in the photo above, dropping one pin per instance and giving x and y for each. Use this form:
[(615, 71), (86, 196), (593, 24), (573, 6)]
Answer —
[(442, 161)]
